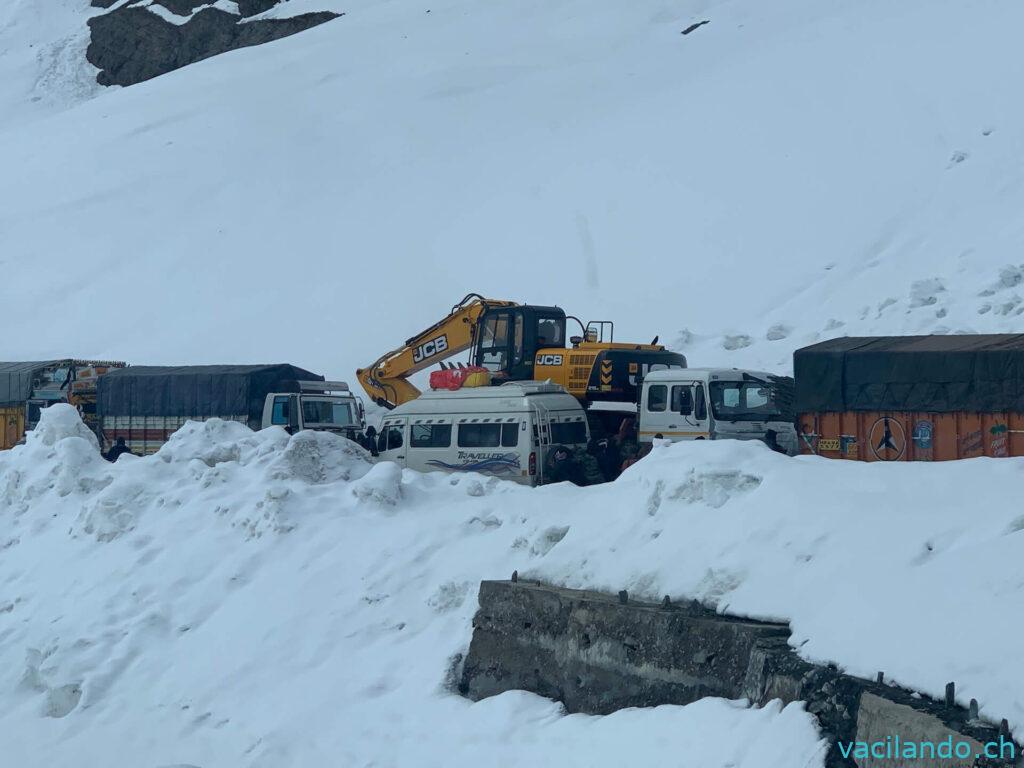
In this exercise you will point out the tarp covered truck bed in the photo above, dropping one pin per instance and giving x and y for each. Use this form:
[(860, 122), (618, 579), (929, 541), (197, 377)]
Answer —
[(146, 404), (911, 398)]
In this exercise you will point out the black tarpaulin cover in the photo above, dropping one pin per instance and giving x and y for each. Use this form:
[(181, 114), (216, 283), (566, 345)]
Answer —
[(784, 387), (939, 374), (16, 380), (196, 390)]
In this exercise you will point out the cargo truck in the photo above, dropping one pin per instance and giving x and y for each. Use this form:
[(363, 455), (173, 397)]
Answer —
[(911, 398), (145, 405), (28, 387)]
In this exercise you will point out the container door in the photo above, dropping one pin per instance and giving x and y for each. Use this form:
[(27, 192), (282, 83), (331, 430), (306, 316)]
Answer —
[(11, 429)]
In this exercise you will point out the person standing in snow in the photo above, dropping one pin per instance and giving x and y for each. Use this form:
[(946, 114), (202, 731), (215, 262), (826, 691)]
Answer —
[(626, 442), (118, 450), (607, 454), (369, 440), (588, 468), (559, 466)]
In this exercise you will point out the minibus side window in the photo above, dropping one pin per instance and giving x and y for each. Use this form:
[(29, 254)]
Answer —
[(479, 435), (430, 436), (510, 434)]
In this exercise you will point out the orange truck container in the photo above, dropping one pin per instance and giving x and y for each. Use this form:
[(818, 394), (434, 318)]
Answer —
[(911, 398)]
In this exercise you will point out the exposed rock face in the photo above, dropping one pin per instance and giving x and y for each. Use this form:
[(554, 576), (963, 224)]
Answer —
[(133, 43)]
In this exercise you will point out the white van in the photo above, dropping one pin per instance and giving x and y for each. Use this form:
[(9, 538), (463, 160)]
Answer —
[(504, 431), (717, 404)]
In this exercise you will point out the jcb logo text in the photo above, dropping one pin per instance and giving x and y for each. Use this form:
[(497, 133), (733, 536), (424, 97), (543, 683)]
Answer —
[(429, 349), (549, 359)]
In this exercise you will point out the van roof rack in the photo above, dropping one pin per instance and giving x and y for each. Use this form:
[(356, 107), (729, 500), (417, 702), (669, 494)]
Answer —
[(534, 386), (323, 386)]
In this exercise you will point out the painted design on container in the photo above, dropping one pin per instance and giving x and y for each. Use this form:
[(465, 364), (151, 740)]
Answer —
[(887, 439), (924, 435), (1000, 440), (971, 442)]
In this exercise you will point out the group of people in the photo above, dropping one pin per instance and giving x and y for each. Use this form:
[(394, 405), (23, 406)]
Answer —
[(601, 461)]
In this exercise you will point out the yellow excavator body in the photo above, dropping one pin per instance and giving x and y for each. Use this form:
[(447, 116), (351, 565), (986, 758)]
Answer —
[(517, 342)]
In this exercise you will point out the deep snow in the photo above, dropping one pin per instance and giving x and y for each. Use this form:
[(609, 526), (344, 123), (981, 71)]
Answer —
[(250, 598), (259, 600), (784, 173)]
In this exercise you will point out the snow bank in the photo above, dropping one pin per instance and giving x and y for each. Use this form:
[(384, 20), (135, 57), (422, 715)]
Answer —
[(257, 599), (260, 599)]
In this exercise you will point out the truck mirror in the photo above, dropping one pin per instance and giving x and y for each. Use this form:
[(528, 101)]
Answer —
[(701, 403)]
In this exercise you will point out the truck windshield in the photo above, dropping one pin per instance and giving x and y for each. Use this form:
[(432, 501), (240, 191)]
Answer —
[(326, 412), (745, 401)]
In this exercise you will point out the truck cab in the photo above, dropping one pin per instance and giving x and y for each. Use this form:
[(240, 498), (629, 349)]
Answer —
[(321, 405), (718, 404)]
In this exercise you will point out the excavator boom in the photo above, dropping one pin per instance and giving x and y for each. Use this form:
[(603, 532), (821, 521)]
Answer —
[(386, 381)]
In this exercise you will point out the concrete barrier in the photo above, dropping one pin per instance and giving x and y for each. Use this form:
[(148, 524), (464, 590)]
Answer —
[(597, 653)]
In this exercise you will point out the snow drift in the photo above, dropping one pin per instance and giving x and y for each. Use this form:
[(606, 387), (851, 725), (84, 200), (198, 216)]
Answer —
[(257, 599)]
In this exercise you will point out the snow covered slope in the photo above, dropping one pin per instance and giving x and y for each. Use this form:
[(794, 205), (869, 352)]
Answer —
[(43, 69), (783, 173)]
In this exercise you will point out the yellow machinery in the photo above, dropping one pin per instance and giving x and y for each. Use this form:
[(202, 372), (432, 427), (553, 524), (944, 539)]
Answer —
[(518, 342)]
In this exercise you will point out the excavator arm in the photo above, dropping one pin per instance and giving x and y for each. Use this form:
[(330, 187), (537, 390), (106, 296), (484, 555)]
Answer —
[(386, 381)]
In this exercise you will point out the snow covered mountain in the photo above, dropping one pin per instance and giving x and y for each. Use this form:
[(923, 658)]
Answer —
[(739, 177), (780, 174), (140, 39)]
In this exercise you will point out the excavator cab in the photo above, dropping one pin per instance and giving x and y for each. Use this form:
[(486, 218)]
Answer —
[(510, 337)]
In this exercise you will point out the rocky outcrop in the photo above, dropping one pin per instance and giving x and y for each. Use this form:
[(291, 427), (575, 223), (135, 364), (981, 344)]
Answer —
[(135, 42)]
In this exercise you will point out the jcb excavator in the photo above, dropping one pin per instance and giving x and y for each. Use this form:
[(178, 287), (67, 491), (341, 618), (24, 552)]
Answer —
[(517, 342)]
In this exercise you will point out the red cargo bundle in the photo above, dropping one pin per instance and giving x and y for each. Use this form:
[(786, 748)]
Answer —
[(454, 378)]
